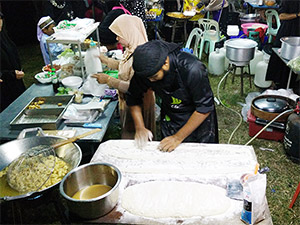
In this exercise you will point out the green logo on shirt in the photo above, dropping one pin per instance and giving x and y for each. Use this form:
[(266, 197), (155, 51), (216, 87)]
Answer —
[(176, 101)]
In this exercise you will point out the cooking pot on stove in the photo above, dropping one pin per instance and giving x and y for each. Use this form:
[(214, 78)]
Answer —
[(240, 51), (267, 107), (9, 151)]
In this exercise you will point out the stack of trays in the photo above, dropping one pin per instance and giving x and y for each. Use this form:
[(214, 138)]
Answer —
[(45, 112)]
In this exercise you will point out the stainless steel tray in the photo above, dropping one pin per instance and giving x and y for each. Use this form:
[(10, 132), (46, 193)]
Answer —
[(47, 113)]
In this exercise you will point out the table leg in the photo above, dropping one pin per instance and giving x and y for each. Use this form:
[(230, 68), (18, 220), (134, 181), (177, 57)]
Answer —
[(184, 30), (173, 31), (289, 80)]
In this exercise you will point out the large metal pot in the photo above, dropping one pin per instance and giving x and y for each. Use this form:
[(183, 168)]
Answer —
[(85, 176), (267, 107), (290, 47), (249, 18), (9, 151), (240, 51)]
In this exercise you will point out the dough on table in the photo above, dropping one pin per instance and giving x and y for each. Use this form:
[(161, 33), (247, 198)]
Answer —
[(162, 199)]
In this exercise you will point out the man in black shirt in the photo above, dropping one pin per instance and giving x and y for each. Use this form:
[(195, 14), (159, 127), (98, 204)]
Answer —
[(180, 80)]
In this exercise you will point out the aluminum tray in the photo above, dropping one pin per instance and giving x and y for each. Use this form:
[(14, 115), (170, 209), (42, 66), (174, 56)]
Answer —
[(48, 116)]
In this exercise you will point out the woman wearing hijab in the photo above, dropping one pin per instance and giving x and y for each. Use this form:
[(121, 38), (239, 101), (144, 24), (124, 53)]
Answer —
[(187, 112), (278, 72), (130, 32), (11, 83)]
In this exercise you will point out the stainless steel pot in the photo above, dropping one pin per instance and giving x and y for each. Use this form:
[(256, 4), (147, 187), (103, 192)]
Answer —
[(85, 176), (240, 51), (9, 151), (267, 107), (290, 47), (249, 18)]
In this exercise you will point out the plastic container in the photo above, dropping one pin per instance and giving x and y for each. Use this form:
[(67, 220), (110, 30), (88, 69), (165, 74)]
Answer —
[(268, 134), (91, 60), (226, 60), (260, 73), (246, 26), (258, 57), (216, 63), (233, 30)]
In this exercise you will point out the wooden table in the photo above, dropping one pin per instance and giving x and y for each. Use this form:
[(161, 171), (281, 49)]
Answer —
[(35, 90)]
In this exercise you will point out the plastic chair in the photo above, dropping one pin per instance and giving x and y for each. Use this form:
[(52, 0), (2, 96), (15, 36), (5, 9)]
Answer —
[(210, 35), (195, 35), (270, 13)]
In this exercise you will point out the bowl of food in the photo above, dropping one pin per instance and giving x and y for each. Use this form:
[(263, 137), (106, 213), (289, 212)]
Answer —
[(91, 190), (43, 77), (73, 82), (48, 68)]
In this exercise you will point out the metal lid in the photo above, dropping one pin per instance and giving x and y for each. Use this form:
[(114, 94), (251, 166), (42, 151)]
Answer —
[(241, 43), (271, 104)]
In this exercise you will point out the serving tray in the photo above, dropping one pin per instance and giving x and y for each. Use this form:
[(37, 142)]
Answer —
[(45, 112)]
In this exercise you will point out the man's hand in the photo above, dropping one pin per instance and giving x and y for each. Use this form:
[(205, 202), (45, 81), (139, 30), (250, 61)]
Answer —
[(203, 11), (102, 78), (19, 74), (142, 135), (168, 144)]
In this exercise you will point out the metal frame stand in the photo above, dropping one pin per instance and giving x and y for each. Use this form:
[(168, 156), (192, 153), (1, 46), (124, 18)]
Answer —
[(232, 69)]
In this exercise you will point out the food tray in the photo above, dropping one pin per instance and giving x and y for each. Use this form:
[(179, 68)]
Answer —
[(46, 114)]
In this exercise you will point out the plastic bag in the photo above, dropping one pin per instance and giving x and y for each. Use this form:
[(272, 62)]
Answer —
[(247, 105), (254, 192), (92, 87)]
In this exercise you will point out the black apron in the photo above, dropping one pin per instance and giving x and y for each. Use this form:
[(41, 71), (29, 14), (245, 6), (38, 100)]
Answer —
[(176, 109)]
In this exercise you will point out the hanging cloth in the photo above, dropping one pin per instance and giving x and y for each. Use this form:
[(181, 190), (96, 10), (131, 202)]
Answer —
[(123, 8)]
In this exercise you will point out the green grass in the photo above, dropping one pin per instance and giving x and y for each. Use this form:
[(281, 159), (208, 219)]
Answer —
[(284, 175)]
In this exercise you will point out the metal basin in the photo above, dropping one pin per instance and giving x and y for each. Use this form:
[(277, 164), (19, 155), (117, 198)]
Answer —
[(9, 151), (290, 47), (85, 176), (240, 51), (249, 18)]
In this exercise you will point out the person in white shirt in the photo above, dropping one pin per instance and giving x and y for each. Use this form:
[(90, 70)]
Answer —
[(44, 30)]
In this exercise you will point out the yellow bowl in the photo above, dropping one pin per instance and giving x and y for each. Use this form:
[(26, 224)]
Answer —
[(157, 11)]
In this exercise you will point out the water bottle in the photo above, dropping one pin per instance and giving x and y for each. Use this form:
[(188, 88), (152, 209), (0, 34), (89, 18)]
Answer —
[(216, 63), (91, 60), (55, 83)]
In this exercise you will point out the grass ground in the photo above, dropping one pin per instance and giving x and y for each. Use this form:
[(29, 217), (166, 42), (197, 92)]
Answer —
[(284, 175)]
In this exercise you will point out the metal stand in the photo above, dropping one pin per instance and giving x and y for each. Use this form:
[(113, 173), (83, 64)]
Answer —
[(232, 69)]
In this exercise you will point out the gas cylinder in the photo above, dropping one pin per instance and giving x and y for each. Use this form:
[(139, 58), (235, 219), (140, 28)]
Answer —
[(91, 60), (260, 73), (291, 141), (258, 56), (216, 63)]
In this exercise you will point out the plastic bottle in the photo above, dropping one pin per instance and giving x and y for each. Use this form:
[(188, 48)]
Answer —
[(91, 60), (226, 61), (55, 83), (216, 63), (258, 57), (261, 71)]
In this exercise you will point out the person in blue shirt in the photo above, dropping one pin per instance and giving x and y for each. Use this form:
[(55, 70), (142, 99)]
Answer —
[(45, 30)]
